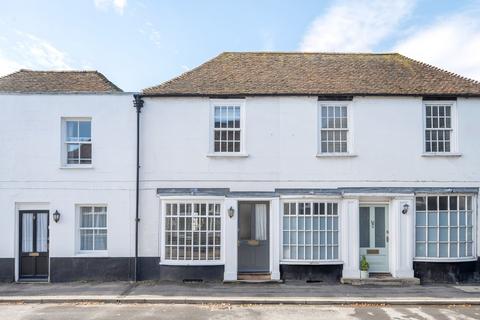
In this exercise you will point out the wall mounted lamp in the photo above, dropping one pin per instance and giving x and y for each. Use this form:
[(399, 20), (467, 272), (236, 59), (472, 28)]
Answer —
[(56, 216)]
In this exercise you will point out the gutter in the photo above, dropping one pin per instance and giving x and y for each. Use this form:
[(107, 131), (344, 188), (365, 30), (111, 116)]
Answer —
[(138, 105)]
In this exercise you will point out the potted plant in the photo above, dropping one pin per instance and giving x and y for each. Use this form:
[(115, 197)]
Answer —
[(364, 266)]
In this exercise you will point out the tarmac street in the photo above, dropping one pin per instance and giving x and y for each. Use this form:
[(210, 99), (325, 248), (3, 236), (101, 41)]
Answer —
[(226, 311)]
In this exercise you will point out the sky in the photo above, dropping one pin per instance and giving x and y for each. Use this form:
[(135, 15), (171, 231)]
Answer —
[(142, 43)]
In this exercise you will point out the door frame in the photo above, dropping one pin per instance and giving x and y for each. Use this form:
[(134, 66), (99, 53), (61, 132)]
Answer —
[(386, 205), (19, 239), (268, 204)]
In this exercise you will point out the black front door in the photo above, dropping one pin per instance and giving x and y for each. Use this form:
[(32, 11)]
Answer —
[(33, 244), (253, 253)]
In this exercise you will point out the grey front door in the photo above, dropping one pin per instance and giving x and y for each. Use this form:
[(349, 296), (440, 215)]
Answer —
[(374, 236), (253, 243)]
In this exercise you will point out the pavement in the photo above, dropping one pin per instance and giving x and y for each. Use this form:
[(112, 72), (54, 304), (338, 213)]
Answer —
[(224, 311), (237, 293)]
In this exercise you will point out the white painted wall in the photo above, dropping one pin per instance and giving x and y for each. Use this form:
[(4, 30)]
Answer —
[(281, 143), (31, 175), (281, 140)]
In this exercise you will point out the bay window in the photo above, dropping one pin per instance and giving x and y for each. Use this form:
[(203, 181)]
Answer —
[(444, 227), (310, 231), (192, 231)]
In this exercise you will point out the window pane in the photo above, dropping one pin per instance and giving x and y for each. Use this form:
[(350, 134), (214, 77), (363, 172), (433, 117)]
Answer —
[(364, 227), (443, 234), (85, 131), (420, 250), (421, 204), (73, 153), (72, 130), (432, 234), (86, 153), (380, 227), (443, 221), (100, 240), (432, 203), (420, 234), (101, 220), (453, 234), (421, 219), (27, 232), (443, 203), (443, 252), (86, 239), (42, 232), (432, 249), (86, 221), (453, 249)]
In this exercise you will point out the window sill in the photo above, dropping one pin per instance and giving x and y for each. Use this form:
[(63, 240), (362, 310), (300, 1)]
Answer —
[(442, 155), (336, 155), (465, 259), (297, 262), (227, 155), (191, 263), (92, 254), (87, 166)]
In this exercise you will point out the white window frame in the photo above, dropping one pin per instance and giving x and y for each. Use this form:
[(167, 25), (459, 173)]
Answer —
[(349, 129), (78, 218), (473, 257), (227, 102), (312, 261), (454, 151), (64, 142), (194, 200)]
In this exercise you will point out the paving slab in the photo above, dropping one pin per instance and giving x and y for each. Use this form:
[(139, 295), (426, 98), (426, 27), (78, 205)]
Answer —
[(238, 293)]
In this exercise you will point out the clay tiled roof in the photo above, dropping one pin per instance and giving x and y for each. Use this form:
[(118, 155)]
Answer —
[(270, 73), (29, 81)]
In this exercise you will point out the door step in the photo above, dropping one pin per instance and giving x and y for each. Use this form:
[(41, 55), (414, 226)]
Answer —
[(33, 280), (256, 278), (382, 280)]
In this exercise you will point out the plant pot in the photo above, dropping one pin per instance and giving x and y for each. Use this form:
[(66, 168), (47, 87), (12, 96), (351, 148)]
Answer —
[(363, 274)]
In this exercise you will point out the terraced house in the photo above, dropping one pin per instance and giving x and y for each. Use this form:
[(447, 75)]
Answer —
[(262, 166)]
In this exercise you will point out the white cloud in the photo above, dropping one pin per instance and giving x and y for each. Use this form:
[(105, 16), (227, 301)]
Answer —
[(25, 50), (117, 5), (351, 25), (451, 43), (8, 66), (151, 33)]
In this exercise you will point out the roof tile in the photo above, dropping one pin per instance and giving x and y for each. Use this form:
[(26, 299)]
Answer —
[(276, 73), (29, 81)]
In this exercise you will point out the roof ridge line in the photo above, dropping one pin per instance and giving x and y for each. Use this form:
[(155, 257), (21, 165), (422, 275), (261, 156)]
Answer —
[(313, 52), (58, 71), (477, 82)]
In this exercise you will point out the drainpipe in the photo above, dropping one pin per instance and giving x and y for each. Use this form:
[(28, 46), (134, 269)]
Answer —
[(138, 105)]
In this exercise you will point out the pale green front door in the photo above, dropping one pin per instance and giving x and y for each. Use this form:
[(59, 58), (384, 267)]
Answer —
[(374, 236)]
